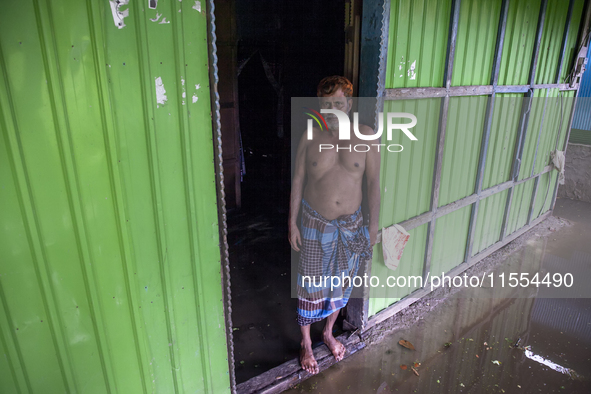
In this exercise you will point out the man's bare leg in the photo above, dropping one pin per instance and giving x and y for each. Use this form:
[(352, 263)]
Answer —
[(338, 349), (307, 359)]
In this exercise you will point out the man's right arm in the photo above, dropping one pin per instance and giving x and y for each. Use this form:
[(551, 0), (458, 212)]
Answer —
[(297, 190)]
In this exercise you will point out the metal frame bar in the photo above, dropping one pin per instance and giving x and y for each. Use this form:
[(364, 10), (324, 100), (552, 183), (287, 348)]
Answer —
[(471, 90), (358, 308), (221, 196), (448, 72), (429, 216), (532, 203)]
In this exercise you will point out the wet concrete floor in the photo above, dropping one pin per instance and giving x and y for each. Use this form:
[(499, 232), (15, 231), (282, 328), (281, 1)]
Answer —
[(467, 343)]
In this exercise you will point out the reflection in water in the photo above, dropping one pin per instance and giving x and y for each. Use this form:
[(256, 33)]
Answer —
[(481, 333), (567, 371)]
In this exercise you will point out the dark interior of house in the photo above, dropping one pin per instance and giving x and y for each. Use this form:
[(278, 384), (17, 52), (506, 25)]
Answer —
[(279, 50)]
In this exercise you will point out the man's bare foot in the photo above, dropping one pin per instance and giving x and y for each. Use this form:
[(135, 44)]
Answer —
[(338, 349), (307, 359)]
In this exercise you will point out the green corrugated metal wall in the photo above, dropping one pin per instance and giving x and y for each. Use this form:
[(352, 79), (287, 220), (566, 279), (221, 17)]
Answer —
[(110, 264), (418, 37)]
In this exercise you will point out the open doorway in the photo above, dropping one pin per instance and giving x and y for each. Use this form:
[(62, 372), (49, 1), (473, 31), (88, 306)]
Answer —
[(268, 52)]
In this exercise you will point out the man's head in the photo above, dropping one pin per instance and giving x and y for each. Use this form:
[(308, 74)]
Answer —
[(335, 93)]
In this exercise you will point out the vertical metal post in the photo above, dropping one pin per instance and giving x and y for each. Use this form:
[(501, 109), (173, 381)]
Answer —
[(532, 203), (447, 75), (358, 308), (524, 120), (494, 79), (223, 228)]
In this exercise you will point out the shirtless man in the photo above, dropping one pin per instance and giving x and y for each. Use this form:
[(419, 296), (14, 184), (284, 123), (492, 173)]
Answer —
[(330, 183)]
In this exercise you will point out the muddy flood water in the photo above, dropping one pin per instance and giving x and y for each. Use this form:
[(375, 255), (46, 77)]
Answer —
[(520, 342)]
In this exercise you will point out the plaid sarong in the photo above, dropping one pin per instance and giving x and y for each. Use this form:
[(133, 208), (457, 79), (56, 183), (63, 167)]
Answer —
[(329, 248)]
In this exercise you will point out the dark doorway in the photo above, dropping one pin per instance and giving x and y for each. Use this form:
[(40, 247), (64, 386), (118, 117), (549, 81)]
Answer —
[(268, 51)]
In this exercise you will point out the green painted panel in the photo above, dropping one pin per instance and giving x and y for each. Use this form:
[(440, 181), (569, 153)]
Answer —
[(533, 132), (411, 264), (465, 124), (476, 40), (520, 204), (489, 221), (110, 269), (520, 36), (417, 43), (449, 244), (573, 32), (552, 36), (558, 110), (503, 133), (407, 176)]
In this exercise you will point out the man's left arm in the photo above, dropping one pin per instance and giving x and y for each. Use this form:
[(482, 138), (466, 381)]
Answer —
[(372, 174)]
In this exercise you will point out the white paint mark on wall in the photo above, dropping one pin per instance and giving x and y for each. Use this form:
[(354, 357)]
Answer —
[(118, 14), (183, 81), (195, 98), (155, 19), (197, 5), (411, 72), (160, 92), (197, 86), (163, 21)]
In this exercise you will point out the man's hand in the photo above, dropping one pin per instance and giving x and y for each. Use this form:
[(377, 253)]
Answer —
[(294, 237), (373, 237)]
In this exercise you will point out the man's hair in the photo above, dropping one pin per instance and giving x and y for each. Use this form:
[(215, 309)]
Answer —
[(330, 85)]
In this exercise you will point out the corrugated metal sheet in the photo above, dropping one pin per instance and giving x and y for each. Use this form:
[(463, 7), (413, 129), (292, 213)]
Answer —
[(499, 158), (411, 264), (536, 118), (407, 176), (552, 36), (520, 36), (417, 43), (489, 222), (465, 123), (558, 110), (110, 275), (474, 51), (475, 45), (449, 245), (582, 117), (573, 32), (520, 205)]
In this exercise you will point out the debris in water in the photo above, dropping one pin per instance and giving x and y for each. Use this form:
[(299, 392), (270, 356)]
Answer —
[(406, 344), (403, 367)]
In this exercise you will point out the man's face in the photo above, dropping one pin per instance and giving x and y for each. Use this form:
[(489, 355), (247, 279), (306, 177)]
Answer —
[(339, 101)]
